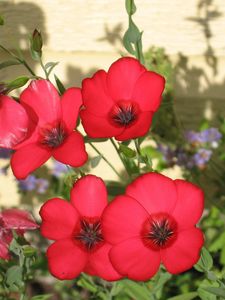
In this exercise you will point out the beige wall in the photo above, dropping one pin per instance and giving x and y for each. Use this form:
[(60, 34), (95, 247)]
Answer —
[(84, 35)]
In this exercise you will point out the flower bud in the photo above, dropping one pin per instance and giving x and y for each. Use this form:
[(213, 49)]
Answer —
[(36, 41)]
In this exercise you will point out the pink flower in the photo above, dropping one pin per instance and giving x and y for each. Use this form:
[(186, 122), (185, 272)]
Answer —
[(76, 228), (153, 223), (52, 121), (120, 103), (13, 122), (13, 219)]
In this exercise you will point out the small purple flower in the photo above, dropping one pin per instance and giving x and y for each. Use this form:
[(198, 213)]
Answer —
[(5, 153), (4, 170), (194, 137), (168, 154), (202, 157), (32, 183), (183, 159), (28, 184), (211, 135), (59, 169), (42, 185)]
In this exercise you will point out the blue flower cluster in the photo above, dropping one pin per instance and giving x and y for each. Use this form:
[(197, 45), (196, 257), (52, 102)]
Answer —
[(32, 183), (196, 153)]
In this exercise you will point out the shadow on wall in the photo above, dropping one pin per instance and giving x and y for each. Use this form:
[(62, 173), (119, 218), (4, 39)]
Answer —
[(200, 93), (21, 19)]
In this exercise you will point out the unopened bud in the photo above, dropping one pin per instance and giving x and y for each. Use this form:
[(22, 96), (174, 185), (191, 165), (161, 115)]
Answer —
[(36, 41)]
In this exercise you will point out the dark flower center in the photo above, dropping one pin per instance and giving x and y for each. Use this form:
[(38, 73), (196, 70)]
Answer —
[(90, 234), (53, 136), (124, 113), (160, 231)]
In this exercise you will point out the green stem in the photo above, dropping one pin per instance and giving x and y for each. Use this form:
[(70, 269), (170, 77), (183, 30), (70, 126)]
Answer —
[(119, 154), (28, 67), (43, 67), (137, 146), (22, 61), (106, 160)]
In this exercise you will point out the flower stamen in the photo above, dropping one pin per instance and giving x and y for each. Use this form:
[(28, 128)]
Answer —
[(53, 136), (90, 234), (124, 113), (159, 232)]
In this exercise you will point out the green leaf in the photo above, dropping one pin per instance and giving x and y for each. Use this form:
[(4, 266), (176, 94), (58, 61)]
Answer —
[(95, 161), (14, 277), (187, 296), (136, 290), (218, 244), (1, 21), (222, 256), (130, 7), (87, 139), (128, 152), (59, 84), (17, 83), (35, 55), (205, 262), (9, 63), (115, 188), (50, 66), (42, 297), (29, 251), (87, 284), (216, 291), (133, 34)]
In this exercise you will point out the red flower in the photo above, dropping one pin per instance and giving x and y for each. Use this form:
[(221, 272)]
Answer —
[(121, 103), (13, 219), (76, 228), (52, 134), (155, 222), (13, 122)]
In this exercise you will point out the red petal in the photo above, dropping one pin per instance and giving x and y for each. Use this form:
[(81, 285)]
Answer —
[(123, 219), (18, 219), (42, 97), (184, 253), (14, 122), (72, 151), (89, 196), (190, 204), (94, 93), (27, 159), (148, 91), (59, 219), (65, 259), (71, 102), (122, 76), (98, 127), (132, 259), (100, 265), (155, 192), (4, 252), (139, 128)]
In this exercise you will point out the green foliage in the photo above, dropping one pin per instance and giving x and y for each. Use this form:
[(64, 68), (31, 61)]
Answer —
[(156, 60), (1, 21), (36, 44), (205, 262), (17, 83), (128, 152), (9, 63), (132, 39), (95, 161), (60, 85)]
